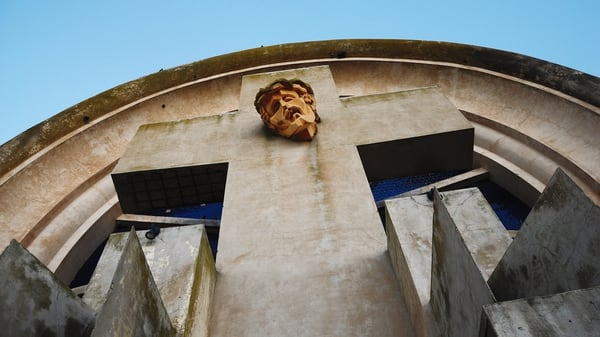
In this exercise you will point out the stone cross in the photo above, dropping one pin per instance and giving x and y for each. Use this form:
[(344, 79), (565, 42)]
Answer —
[(302, 251)]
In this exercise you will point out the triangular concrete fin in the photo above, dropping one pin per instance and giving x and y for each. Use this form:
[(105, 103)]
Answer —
[(458, 289), (556, 249), (133, 306), (34, 302)]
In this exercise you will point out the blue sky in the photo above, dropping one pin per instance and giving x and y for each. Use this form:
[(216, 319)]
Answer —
[(55, 54)]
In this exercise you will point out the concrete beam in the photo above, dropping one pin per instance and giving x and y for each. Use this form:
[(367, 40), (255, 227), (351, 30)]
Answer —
[(144, 221), (133, 306), (556, 249), (573, 313), (33, 302)]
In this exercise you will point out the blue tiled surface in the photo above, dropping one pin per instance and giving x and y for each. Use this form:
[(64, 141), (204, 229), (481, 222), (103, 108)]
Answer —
[(384, 189), (510, 210), (205, 211)]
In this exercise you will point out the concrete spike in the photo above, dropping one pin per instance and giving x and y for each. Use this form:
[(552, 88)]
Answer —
[(133, 306), (182, 267), (458, 288), (34, 302), (409, 229), (556, 249)]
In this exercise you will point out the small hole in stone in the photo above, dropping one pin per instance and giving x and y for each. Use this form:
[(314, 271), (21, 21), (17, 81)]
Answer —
[(86, 119), (163, 106)]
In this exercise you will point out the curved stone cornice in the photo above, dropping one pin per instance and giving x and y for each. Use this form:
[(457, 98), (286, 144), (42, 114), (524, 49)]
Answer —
[(578, 85)]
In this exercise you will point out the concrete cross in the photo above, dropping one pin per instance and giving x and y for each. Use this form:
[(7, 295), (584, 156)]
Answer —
[(302, 251)]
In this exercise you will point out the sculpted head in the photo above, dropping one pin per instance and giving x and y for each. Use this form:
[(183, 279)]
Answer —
[(288, 108)]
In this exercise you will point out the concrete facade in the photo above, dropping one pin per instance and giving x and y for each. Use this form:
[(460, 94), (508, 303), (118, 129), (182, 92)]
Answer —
[(182, 267), (547, 119), (525, 118), (557, 247), (460, 265), (271, 182), (133, 305), (410, 221)]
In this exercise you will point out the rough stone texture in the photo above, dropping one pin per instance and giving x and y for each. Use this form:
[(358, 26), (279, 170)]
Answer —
[(573, 313), (182, 266), (309, 201), (521, 143), (458, 286), (33, 302), (133, 306), (409, 230), (524, 130), (557, 247), (580, 85), (482, 232)]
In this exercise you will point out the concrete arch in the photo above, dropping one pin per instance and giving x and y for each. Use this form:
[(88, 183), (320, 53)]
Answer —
[(530, 116)]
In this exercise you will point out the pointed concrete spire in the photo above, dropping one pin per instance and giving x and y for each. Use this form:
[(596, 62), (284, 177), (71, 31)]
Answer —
[(133, 306)]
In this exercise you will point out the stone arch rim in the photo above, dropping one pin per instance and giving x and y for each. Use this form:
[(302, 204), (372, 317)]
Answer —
[(547, 75)]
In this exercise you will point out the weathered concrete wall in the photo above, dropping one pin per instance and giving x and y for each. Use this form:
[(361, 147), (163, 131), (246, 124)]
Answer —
[(409, 233), (133, 306), (33, 302), (557, 247), (309, 201), (80, 145), (409, 230), (552, 117), (458, 284), (183, 269), (573, 313)]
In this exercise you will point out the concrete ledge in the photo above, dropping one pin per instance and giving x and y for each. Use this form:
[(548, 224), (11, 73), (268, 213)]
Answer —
[(573, 313)]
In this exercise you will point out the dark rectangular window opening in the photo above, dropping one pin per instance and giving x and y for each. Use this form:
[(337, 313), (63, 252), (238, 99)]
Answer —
[(192, 192), (395, 167)]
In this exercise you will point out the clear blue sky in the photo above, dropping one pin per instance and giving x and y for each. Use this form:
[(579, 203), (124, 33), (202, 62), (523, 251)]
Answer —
[(54, 54)]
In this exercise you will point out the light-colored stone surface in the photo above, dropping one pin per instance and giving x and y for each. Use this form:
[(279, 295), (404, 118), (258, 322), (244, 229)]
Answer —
[(556, 248), (52, 179), (482, 232), (409, 232), (409, 221), (310, 201), (526, 128), (572, 313), (458, 285), (133, 305), (182, 267)]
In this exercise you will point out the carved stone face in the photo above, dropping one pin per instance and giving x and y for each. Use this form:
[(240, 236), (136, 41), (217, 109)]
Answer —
[(288, 108)]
